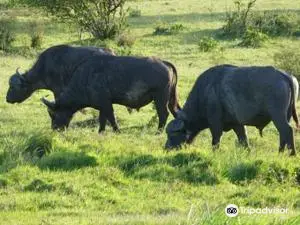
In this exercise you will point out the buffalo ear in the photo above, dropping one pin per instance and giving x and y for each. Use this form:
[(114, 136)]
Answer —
[(21, 77), (16, 80), (50, 105), (175, 126), (181, 115)]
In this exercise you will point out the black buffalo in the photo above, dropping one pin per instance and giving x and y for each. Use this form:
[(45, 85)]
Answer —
[(105, 80), (52, 71), (228, 97)]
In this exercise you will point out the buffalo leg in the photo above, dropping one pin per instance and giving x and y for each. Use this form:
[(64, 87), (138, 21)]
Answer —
[(102, 121), (241, 134), (161, 102), (216, 132), (173, 105), (108, 112), (285, 132), (214, 115), (191, 136)]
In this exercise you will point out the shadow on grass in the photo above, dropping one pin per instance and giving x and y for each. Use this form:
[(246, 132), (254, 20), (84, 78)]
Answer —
[(243, 172), (145, 21), (195, 36), (66, 161), (89, 123), (188, 167)]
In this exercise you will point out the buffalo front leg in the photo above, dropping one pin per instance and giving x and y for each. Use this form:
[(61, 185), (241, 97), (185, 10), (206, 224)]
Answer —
[(102, 121), (214, 115), (216, 133), (241, 134), (108, 113)]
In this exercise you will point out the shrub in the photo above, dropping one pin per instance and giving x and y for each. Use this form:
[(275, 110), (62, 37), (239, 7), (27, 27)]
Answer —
[(123, 51), (236, 21), (276, 24), (102, 18), (38, 185), (297, 176), (3, 183), (6, 34), (208, 44), (168, 29), (38, 145), (243, 172), (126, 40), (135, 13), (67, 161), (289, 61), (277, 173), (253, 38), (37, 35)]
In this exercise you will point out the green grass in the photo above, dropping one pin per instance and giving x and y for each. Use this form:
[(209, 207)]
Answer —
[(80, 177)]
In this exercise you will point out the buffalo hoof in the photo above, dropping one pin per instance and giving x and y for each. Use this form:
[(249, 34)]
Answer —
[(293, 153), (117, 131)]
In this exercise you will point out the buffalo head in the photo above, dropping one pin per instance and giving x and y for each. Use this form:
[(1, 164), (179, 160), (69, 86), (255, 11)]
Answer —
[(19, 88), (177, 132), (60, 117)]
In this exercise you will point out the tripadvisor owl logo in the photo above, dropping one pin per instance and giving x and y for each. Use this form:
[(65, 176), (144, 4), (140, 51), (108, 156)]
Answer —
[(231, 210)]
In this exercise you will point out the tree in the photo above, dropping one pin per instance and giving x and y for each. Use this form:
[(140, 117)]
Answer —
[(102, 18)]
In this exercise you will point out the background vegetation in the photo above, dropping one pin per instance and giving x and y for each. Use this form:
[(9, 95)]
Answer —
[(79, 177)]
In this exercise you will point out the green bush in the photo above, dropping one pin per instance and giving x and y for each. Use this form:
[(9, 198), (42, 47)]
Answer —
[(135, 13), (37, 145), (208, 44), (253, 38), (276, 24), (236, 22), (168, 29), (243, 172), (3, 183), (289, 61), (6, 34), (126, 40), (297, 176), (123, 51), (38, 185), (102, 18), (276, 172), (67, 161), (36, 34)]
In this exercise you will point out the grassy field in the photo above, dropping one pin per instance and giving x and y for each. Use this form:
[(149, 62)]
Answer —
[(128, 178)]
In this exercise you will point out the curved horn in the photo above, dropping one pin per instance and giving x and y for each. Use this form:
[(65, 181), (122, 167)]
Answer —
[(50, 105), (17, 71)]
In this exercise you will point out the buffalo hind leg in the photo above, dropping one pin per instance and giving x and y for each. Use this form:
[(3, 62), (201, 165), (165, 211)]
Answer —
[(108, 112), (161, 102), (285, 133), (241, 134), (173, 105)]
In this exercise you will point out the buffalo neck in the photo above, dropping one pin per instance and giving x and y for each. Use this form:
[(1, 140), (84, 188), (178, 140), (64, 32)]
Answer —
[(195, 112), (33, 82)]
